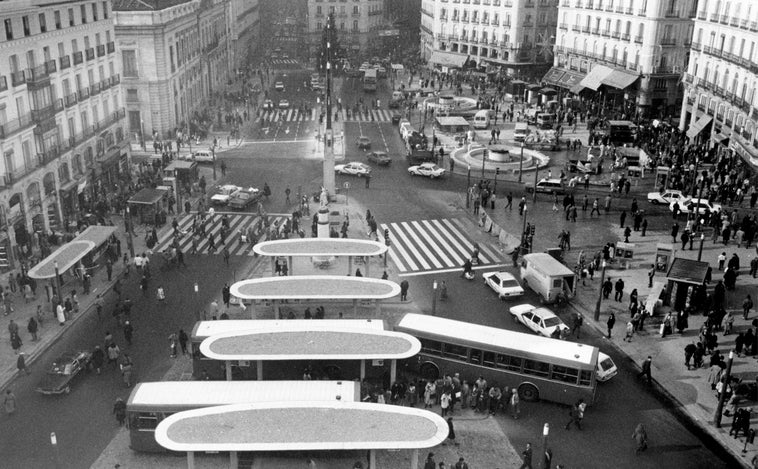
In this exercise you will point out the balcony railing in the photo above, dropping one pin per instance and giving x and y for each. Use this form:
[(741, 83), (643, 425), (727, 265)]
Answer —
[(78, 58), (701, 15), (723, 19), (605, 33), (734, 21), (575, 27), (3, 83), (90, 53), (754, 26), (563, 26), (667, 41), (111, 47), (638, 39), (47, 112), (70, 99), (83, 93), (585, 29), (616, 34), (641, 12), (100, 50), (595, 30), (16, 125), (672, 14), (629, 11), (65, 62), (41, 72), (714, 17), (18, 78), (625, 36)]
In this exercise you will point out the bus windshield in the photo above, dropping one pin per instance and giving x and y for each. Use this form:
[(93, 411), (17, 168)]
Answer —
[(369, 80), (538, 367)]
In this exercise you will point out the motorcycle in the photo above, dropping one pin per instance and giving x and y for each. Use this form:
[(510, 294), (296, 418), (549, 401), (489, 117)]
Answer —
[(469, 275)]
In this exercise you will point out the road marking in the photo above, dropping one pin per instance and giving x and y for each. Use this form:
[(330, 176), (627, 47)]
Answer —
[(447, 271)]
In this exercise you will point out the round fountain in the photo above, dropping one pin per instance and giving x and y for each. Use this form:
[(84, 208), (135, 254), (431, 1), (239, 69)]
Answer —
[(448, 103), (506, 158)]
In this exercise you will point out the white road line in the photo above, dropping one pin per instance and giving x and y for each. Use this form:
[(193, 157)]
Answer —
[(470, 246), (445, 271), (397, 246), (412, 248), (441, 247), (466, 253), (423, 245)]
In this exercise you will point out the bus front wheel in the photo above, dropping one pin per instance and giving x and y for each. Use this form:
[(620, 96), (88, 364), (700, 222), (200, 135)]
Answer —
[(529, 392), (429, 371)]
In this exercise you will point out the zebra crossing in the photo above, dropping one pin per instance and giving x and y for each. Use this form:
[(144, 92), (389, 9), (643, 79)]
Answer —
[(238, 222), (284, 63), (294, 115), (429, 246)]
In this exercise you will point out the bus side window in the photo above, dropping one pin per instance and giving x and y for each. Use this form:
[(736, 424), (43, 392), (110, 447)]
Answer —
[(509, 363), (567, 375), (489, 359), (585, 378), (431, 347), (533, 367), (456, 351), (476, 357)]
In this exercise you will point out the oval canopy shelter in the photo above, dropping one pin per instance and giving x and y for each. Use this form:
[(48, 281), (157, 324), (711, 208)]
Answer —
[(297, 426), (310, 340), (68, 255), (320, 249), (314, 287)]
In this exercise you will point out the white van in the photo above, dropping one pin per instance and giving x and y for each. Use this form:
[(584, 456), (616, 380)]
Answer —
[(521, 132), (606, 369), (545, 120), (547, 277), (482, 119)]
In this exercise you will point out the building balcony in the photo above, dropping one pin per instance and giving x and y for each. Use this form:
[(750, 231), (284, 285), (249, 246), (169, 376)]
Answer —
[(585, 29), (671, 14), (641, 12), (701, 15), (696, 46), (40, 72), (754, 26), (528, 24), (625, 36), (18, 78), (692, 13), (667, 41), (16, 125), (616, 34), (529, 5), (110, 47), (47, 112), (94, 89), (575, 28), (734, 21), (563, 26), (65, 62), (455, 19), (606, 33), (714, 17), (104, 85), (595, 30), (70, 99), (100, 50), (89, 53), (83, 93), (464, 19), (78, 58), (3, 83), (609, 8), (723, 19), (619, 9), (638, 39), (496, 3)]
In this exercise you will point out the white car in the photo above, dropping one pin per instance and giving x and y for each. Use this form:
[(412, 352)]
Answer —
[(539, 320), (279, 86), (268, 105), (429, 170), (354, 169), (203, 156), (224, 193), (284, 104), (666, 197), (504, 284), (701, 205)]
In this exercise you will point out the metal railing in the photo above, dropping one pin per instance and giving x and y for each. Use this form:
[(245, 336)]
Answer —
[(18, 78), (100, 50), (65, 62), (70, 99), (111, 47), (90, 53), (16, 125), (78, 58)]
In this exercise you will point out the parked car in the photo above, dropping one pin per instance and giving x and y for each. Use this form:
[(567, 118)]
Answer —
[(284, 104), (363, 142), (380, 158), (353, 169), (279, 86), (429, 170), (547, 186), (690, 205), (199, 156), (504, 284), (539, 320), (666, 197), (244, 198), (62, 372), (224, 194)]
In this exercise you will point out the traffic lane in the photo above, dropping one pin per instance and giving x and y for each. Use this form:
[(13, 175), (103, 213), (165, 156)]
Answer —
[(83, 420), (609, 422), (381, 135)]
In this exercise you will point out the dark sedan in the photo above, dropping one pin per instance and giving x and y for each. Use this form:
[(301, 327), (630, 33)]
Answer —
[(63, 370), (380, 158)]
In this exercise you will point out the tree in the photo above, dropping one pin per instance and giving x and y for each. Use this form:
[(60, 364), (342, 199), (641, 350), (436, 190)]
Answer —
[(336, 52)]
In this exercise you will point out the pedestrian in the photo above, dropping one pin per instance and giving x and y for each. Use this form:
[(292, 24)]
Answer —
[(368, 180), (128, 332), (610, 323), (629, 331), (461, 464), (126, 370), (646, 369), (430, 463), (226, 294), (119, 410), (183, 339), (143, 285), (578, 321), (451, 432), (619, 288), (622, 218), (9, 402), (640, 436), (515, 404), (21, 364), (287, 193), (509, 204), (404, 290), (226, 255), (576, 414), (747, 304), (172, 340), (98, 357), (113, 354), (644, 226), (650, 275), (526, 456), (16, 342), (445, 403)]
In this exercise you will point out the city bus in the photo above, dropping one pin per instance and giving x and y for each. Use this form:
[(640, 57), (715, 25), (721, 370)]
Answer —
[(369, 79), (360, 365), (150, 403), (538, 367)]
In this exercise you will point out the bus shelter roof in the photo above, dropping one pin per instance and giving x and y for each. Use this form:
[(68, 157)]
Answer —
[(315, 287), (147, 196), (310, 341), (72, 252), (296, 426), (320, 247), (452, 120)]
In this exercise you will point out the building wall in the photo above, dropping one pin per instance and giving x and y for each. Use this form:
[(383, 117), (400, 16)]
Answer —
[(245, 21), (721, 77), (61, 114), (649, 37), (181, 55), (515, 34), (356, 21)]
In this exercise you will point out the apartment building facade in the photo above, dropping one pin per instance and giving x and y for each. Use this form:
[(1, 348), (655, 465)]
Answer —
[(721, 80), (356, 21), (62, 132), (245, 22), (515, 35), (175, 54), (630, 51)]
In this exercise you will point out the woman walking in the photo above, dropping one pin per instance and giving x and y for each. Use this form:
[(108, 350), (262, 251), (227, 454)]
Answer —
[(9, 402), (640, 436)]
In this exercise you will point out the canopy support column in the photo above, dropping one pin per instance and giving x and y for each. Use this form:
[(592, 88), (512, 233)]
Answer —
[(393, 370), (259, 370), (190, 460), (276, 309), (228, 366), (372, 458), (368, 266), (273, 266), (349, 265), (414, 459), (252, 308), (290, 266), (234, 460), (363, 370), (378, 308), (355, 308)]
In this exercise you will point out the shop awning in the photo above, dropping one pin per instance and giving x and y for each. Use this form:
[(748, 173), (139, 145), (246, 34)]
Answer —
[(553, 76), (448, 59), (721, 139), (548, 90), (595, 78), (619, 79), (147, 196), (570, 79), (698, 126), (533, 87), (576, 89), (687, 271)]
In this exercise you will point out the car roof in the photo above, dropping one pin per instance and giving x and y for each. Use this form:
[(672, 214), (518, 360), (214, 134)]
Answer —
[(543, 313), (553, 180)]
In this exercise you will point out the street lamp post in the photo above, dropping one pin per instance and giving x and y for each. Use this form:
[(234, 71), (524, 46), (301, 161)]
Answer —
[(521, 163), (722, 396), (468, 187), (58, 282), (484, 158), (128, 223), (213, 151), (523, 231), (547, 454), (700, 249), (600, 292), (434, 298), (197, 301), (534, 195), (497, 172)]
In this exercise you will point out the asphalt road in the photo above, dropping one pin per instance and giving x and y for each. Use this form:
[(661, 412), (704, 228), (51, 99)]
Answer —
[(83, 420)]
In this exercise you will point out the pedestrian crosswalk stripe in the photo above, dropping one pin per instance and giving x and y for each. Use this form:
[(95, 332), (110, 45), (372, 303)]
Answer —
[(421, 246), (294, 115)]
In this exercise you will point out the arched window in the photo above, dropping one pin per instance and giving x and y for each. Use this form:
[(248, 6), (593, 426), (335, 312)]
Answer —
[(725, 83), (625, 57), (736, 78), (584, 47), (615, 53), (605, 49)]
